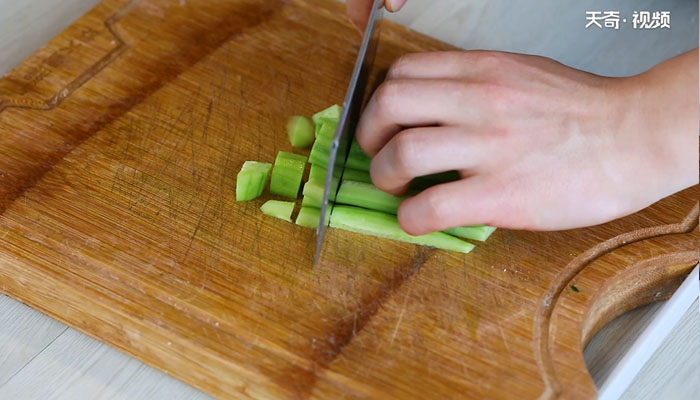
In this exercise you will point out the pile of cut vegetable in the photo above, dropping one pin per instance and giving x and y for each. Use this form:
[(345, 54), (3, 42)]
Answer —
[(358, 206)]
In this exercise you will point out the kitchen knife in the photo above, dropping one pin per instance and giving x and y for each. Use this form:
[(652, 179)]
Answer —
[(352, 106)]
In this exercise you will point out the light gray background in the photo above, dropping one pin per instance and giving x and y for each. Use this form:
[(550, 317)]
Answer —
[(552, 28), (556, 29)]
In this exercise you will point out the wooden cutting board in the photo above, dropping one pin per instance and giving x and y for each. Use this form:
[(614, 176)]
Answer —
[(119, 145)]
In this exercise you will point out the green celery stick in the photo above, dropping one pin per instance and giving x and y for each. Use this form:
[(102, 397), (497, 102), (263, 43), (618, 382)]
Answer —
[(278, 209), (317, 173), (286, 174), (309, 201), (379, 224), (317, 128), (320, 151), (327, 129), (477, 232), (251, 180), (352, 174), (300, 131), (310, 216), (331, 114), (357, 158), (314, 190), (368, 196)]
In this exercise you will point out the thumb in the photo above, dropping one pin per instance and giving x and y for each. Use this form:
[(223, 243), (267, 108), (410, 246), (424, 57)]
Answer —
[(394, 5), (358, 11), (465, 202)]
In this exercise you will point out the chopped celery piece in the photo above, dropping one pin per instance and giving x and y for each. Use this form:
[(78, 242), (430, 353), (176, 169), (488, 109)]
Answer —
[(310, 216), (300, 131), (314, 190), (317, 173), (310, 201), (320, 151), (327, 129), (479, 232), (278, 209), (352, 174), (368, 196), (331, 114), (387, 226), (327, 120), (251, 180), (357, 158), (287, 174)]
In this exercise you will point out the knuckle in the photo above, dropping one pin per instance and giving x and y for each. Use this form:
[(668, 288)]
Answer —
[(437, 208), (462, 86), (376, 174), (405, 153), (491, 60), (397, 67), (496, 98), (361, 137), (385, 95)]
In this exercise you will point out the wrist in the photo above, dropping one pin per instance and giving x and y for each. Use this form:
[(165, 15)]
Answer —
[(660, 126)]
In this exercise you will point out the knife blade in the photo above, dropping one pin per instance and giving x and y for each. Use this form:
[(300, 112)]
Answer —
[(352, 106)]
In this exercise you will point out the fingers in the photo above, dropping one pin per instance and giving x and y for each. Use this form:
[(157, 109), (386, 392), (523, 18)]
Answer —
[(430, 65), (394, 5), (460, 203), (358, 11), (474, 65), (423, 151), (397, 104)]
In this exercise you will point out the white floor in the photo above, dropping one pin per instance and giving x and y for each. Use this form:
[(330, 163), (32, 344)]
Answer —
[(42, 359)]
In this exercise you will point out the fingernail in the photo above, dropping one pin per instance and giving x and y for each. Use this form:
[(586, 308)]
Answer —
[(394, 5), (407, 218)]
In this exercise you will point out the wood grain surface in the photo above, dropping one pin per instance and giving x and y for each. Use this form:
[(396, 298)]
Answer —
[(119, 145)]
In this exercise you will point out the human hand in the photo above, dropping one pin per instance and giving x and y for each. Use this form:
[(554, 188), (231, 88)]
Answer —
[(538, 145), (358, 10)]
